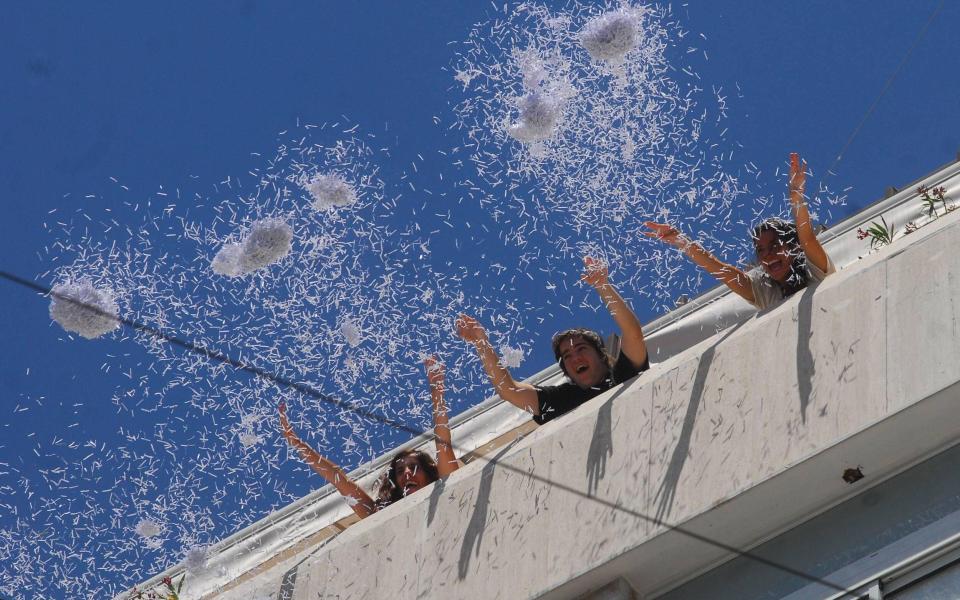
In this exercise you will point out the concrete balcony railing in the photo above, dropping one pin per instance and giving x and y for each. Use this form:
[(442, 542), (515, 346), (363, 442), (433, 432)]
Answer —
[(733, 440)]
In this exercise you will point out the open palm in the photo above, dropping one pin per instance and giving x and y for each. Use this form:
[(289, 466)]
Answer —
[(665, 233)]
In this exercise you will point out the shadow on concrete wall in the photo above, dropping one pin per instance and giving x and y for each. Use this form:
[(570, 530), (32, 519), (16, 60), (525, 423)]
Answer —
[(438, 488), (473, 537), (601, 444), (668, 487), (805, 362), (288, 584)]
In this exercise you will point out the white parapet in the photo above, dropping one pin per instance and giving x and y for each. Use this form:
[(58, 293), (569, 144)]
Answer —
[(733, 440), (252, 562)]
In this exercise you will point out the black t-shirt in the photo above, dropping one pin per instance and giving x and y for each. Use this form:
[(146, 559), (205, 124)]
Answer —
[(556, 400)]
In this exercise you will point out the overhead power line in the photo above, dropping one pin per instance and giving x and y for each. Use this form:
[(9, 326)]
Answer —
[(886, 87), (400, 426)]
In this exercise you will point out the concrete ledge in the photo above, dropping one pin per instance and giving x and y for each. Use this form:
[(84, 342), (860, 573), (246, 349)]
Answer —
[(293, 533), (736, 439)]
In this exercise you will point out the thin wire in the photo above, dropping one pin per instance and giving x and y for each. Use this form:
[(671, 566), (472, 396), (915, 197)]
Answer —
[(215, 355), (312, 392), (886, 86)]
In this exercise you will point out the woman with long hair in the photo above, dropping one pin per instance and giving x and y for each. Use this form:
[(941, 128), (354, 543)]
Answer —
[(409, 471), (789, 253)]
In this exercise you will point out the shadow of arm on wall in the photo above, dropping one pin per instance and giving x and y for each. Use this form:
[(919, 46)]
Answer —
[(601, 444), (668, 487), (288, 583), (805, 363), (438, 488), (473, 537)]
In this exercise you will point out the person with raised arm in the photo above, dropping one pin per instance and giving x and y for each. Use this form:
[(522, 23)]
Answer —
[(580, 353), (409, 471), (790, 254)]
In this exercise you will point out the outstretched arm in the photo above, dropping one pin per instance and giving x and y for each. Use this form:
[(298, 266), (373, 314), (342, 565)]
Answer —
[(631, 333), (359, 500), (729, 275), (521, 395), (801, 216), (446, 459)]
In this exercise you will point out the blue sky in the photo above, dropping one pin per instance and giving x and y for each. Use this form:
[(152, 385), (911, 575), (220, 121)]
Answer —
[(183, 96)]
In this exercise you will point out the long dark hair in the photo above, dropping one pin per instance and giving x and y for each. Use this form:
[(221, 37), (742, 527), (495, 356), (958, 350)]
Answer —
[(389, 491), (786, 233)]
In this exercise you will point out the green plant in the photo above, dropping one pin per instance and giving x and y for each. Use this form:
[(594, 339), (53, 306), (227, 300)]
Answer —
[(171, 593), (930, 197), (880, 234)]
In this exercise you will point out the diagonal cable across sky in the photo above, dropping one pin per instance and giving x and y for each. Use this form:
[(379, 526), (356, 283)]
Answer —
[(301, 201), (310, 391)]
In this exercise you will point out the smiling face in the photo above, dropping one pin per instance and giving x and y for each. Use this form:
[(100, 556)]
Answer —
[(409, 474), (774, 255), (582, 363)]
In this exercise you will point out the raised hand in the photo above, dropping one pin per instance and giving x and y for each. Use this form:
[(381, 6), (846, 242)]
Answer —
[(730, 275), (665, 233), (435, 373), (470, 329), (446, 459), (816, 255), (798, 177), (521, 395), (596, 273), (359, 500), (284, 422)]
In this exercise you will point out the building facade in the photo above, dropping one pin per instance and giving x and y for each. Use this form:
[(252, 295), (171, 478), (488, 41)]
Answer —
[(806, 451)]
